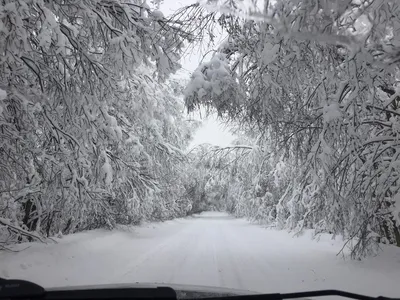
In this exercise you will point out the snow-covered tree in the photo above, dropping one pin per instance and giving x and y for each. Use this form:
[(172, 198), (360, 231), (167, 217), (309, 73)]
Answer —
[(90, 132)]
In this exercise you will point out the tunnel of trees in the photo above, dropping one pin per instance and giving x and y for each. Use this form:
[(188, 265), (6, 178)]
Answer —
[(93, 131)]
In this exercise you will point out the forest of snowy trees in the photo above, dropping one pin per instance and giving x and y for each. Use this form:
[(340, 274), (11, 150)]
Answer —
[(93, 129)]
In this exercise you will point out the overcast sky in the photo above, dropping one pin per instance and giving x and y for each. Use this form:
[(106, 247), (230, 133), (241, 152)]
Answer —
[(212, 131)]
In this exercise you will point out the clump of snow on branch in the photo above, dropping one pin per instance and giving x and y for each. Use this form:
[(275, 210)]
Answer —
[(212, 80)]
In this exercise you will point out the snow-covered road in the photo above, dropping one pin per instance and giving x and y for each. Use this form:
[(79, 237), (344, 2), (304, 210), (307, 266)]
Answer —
[(211, 249)]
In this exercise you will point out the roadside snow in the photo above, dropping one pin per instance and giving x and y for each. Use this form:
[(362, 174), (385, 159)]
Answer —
[(211, 249)]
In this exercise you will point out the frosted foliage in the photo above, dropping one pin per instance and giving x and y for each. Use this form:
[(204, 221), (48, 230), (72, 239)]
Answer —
[(158, 14), (331, 112), (396, 209), (269, 53), (3, 94), (86, 139), (212, 80), (316, 86)]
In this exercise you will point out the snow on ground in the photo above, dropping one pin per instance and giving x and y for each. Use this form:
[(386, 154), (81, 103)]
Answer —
[(211, 249)]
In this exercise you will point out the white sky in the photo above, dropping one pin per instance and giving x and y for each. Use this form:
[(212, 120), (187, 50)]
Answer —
[(212, 131)]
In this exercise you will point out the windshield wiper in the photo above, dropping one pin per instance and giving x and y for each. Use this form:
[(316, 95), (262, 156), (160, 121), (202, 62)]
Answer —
[(308, 294), (21, 289)]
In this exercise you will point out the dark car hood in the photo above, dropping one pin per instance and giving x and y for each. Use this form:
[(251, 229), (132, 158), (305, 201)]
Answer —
[(183, 291)]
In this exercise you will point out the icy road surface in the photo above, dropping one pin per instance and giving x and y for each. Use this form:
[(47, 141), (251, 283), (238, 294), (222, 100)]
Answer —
[(211, 249)]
